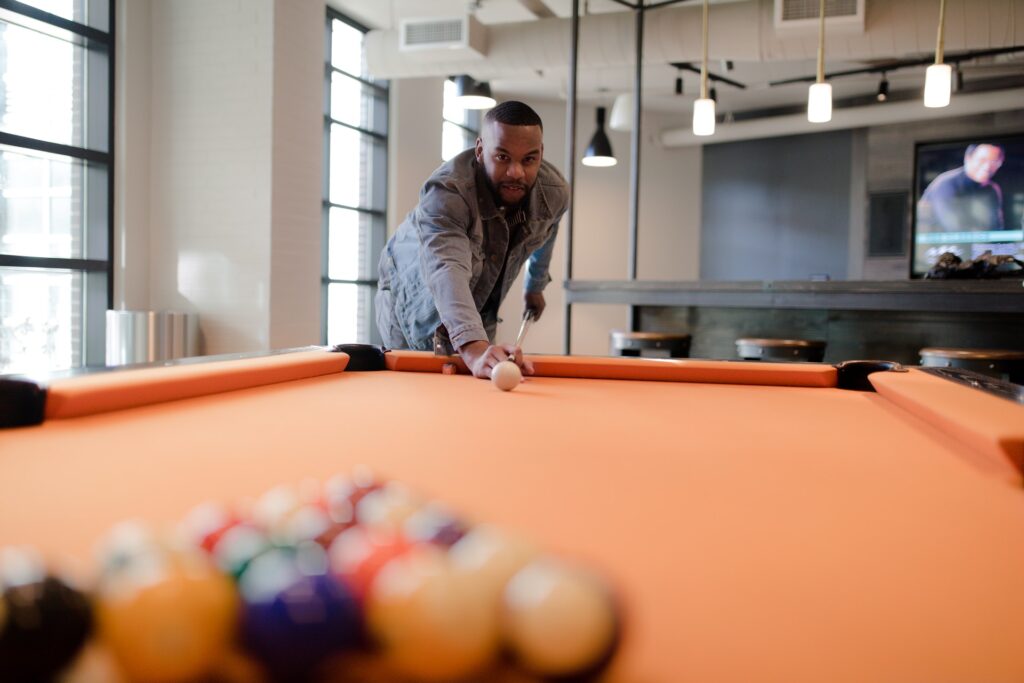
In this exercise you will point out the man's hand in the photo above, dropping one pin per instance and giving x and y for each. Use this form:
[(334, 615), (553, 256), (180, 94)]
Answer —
[(481, 357), (535, 303)]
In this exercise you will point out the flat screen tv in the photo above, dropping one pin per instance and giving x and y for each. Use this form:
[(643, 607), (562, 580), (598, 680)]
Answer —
[(969, 199)]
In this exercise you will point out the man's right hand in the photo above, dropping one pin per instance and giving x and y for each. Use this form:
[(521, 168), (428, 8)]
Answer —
[(481, 357)]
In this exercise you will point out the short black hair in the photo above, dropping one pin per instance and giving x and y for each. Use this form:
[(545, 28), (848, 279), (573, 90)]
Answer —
[(514, 113)]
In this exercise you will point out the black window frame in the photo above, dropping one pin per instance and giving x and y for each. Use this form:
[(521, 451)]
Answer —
[(99, 84), (380, 180)]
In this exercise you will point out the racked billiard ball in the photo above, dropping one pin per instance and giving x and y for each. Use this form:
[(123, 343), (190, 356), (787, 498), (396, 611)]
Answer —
[(44, 621), (295, 613), (168, 617), (432, 622), (559, 620)]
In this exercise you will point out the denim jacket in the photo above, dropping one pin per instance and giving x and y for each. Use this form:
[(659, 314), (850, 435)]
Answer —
[(442, 263)]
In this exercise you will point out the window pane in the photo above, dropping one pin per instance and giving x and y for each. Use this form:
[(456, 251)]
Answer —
[(40, 319), (349, 313), (41, 204), (69, 9), (452, 112), (41, 87), (350, 245), (347, 48), (454, 140), (357, 104), (356, 161)]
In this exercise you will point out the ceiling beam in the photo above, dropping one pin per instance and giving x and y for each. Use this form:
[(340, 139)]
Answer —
[(537, 8)]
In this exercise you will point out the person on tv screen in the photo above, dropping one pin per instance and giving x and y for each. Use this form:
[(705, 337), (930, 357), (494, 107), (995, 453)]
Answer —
[(965, 199)]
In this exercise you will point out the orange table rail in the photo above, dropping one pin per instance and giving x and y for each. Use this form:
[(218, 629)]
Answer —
[(650, 369), (116, 390)]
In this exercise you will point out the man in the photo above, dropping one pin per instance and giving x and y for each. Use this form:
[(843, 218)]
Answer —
[(965, 199), (480, 216)]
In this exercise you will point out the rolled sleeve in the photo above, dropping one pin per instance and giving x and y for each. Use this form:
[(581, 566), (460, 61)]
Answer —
[(539, 263)]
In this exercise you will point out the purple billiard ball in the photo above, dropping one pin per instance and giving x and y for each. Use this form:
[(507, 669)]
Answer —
[(295, 613)]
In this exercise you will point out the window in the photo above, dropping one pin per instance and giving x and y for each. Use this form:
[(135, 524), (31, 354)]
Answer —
[(56, 170), (460, 128), (355, 227)]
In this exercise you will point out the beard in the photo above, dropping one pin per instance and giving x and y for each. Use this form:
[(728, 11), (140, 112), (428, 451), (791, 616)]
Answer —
[(518, 198)]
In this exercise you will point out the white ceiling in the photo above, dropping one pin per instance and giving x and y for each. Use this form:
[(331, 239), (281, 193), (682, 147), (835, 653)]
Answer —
[(602, 84)]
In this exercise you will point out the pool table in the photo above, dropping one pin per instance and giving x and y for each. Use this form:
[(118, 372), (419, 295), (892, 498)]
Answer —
[(761, 522)]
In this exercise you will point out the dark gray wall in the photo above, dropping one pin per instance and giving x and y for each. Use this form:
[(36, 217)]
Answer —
[(777, 209)]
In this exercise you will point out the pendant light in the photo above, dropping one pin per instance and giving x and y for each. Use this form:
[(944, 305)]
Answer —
[(599, 151), (819, 97), (472, 94), (938, 79), (704, 107)]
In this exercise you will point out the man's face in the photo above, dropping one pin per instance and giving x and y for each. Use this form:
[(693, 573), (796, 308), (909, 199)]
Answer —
[(511, 158), (981, 164)]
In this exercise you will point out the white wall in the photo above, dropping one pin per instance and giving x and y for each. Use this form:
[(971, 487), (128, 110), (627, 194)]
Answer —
[(297, 174), (220, 161), (212, 83), (414, 142)]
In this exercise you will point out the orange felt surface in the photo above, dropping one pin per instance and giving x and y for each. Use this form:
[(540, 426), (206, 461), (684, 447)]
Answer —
[(755, 533)]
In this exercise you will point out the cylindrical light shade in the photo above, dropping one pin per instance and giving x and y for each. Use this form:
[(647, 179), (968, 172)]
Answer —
[(622, 113), (599, 151), (883, 90), (819, 103), (704, 117), (472, 94), (938, 82)]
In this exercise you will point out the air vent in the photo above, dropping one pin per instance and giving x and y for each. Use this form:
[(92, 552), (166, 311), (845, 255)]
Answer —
[(803, 14), (443, 35), (432, 33)]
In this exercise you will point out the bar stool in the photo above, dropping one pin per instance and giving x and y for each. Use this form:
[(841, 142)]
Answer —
[(1000, 363), (633, 343), (753, 348)]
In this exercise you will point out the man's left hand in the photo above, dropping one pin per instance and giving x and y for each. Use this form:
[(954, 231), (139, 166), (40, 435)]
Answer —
[(535, 303)]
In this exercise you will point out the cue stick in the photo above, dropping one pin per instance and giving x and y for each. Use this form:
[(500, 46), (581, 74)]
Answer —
[(527, 319)]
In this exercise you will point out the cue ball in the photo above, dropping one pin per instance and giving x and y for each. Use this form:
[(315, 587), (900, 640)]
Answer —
[(506, 375)]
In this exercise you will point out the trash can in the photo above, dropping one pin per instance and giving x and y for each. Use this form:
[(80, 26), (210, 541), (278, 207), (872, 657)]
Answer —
[(148, 336)]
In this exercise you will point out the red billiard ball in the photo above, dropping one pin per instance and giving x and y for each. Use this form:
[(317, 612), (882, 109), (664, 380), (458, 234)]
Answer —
[(359, 553)]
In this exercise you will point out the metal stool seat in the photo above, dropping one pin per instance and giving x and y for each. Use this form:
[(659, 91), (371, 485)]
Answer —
[(1003, 364), (754, 348), (633, 343)]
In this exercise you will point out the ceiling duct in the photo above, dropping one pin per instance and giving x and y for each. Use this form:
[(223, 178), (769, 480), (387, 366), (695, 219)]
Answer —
[(801, 16), (742, 31), (443, 38)]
